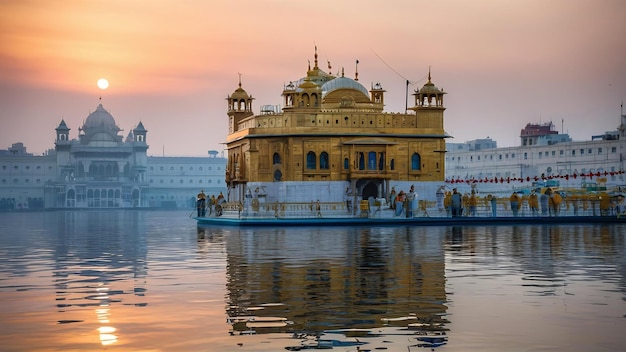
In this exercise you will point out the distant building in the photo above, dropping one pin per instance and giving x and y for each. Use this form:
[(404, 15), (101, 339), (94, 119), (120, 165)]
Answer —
[(102, 169), (542, 134), (544, 154), (23, 178), (473, 145), (17, 149), (175, 181)]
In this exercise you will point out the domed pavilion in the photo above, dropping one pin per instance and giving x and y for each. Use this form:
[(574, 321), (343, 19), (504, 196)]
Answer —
[(332, 139)]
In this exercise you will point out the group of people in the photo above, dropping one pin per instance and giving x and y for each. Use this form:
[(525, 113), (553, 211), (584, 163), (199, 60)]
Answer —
[(549, 203), (455, 203), (403, 201), (203, 204)]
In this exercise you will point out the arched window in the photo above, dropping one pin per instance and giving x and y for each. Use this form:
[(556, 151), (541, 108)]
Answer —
[(371, 160), (346, 164), (381, 161), (324, 161), (416, 162), (311, 161), (392, 164), (276, 158), (278, 175)]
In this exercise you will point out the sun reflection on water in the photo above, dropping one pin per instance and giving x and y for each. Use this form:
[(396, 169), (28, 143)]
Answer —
[(106, 332)]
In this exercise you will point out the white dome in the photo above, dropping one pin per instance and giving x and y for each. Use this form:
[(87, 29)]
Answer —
[(343, 83), (100, 118)]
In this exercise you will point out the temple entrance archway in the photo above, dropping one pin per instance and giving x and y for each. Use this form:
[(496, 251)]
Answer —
[(370, 188)]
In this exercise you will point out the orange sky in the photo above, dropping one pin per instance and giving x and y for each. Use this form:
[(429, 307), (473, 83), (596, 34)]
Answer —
[(172, 64)]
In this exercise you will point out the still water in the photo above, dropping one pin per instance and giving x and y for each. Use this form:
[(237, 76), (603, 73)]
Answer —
[(154, 281)]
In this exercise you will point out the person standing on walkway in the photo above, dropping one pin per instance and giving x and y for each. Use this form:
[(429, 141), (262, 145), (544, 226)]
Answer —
[(533, 203), (411, 201), (399, 203), (456, 202), (543, 202), (201, 203), (447, 203), (472, 202), (211, 204), (348, 199), (555, 203), (514, 199), (493, 200)]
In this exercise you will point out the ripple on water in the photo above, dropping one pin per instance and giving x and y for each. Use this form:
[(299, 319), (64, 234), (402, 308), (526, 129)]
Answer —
[(83, 280)]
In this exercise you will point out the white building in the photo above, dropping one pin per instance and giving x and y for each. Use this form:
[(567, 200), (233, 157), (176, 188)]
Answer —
[(101, 169), (544, 154), (175, 181)]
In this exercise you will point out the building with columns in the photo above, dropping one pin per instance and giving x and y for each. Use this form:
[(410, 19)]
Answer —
[(332, 137), (103, 169)]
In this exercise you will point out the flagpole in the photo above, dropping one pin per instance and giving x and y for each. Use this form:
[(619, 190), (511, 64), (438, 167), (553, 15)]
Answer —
[(406, 97)]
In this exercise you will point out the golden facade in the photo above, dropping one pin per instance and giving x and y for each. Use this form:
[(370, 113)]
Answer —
[(331, 128)]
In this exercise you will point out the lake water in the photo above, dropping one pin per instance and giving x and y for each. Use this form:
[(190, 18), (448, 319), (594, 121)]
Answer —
[(154, 281)]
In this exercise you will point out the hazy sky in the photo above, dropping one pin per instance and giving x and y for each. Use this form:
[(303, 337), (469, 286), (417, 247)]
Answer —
[(171, 64)]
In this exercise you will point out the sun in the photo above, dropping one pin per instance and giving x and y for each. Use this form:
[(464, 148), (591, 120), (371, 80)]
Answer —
[(103, 83)]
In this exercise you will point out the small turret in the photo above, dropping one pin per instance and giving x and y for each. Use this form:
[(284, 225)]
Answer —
[(377, 94), (239, 107), (63, 132), (140, 133), (429, 96)]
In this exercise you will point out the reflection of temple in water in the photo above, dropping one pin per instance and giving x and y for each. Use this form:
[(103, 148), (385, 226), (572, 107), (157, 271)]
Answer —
[(545, 253), (324, 278), (94, 254)]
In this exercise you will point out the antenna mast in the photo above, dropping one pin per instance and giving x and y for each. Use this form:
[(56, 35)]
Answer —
[(406, 99)]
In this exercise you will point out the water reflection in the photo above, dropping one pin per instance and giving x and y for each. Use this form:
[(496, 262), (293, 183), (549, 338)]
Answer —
[(92, 260), (359, 281), (93, 252), (320, 279), (154, 281)]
